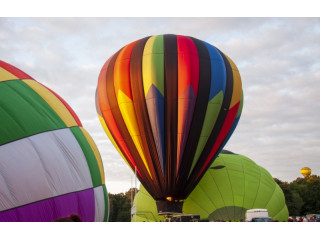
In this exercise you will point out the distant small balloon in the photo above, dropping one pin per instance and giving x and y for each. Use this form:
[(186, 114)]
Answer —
[(306, 172)]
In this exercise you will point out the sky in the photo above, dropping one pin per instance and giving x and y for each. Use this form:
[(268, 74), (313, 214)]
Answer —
[(278, 60)]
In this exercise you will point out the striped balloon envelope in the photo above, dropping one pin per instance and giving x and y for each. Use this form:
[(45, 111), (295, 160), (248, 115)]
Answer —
[(50, 166), (169, 103)]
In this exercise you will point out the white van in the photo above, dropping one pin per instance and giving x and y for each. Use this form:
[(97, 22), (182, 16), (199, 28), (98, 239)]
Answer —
[(257, 215)]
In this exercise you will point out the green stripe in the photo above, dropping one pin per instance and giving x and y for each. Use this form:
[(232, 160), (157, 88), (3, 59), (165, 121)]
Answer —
[(106, 211), (89, 154), (210, 120), (241, 105), (158, 63), (23, 112)]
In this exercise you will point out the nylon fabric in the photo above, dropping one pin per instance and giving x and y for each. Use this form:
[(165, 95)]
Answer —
[(171, 108), (90, 157), (53, 102), (116, 115), (96, 153), (106, 202), (107, 119), (172, 111), (52, 170), (143, 119), (211, 150), (226, 193), (201, 103), (99, 204), (9, 72), (30, 114), (153, 84)]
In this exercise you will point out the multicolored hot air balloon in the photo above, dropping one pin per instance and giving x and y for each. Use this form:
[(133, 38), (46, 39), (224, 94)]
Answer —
[(232, 185), (305, 171), (169, 104), (50, 166)]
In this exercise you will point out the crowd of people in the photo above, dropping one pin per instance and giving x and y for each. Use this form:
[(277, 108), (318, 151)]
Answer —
[(310, 218)]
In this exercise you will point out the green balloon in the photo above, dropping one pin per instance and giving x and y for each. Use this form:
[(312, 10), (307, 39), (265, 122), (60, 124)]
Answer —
[(232, 185)]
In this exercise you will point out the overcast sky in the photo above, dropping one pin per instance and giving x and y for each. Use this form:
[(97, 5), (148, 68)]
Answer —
[(278, 59)]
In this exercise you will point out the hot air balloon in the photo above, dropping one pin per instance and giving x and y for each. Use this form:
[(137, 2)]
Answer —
[(50, 166), (232, 185), (169, 103), (305, 171)]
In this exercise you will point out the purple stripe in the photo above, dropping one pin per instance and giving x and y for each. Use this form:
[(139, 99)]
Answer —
[(81, 203)]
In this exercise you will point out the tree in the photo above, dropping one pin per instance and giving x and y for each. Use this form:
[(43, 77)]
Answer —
[(120, 208), (302, 195)]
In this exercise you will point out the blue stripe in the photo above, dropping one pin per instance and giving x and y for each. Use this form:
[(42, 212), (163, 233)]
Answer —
[(155, 106), (218, 72)]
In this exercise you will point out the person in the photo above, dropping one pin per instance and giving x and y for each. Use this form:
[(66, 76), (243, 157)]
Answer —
[(70, 218)]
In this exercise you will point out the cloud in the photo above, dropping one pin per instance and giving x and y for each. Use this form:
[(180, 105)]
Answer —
[(278, 59)]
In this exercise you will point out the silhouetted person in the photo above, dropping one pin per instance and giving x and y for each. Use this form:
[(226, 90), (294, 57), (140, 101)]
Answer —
[(70, 218)]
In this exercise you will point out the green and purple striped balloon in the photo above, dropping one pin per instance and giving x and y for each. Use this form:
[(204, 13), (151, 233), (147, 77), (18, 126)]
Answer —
[(50, 166)]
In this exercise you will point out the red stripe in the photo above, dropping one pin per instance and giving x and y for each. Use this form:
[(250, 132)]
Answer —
[(15, 71), (108, 116), (188, 75), (122, 71), (188, 65), (232, 113)]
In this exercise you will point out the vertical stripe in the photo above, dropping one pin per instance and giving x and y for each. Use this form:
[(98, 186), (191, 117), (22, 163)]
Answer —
[(142, 115), (114, 111), (153, 84), (107, 119), (199, 113), (188, 81), (203, 162), (216, 95), (124, 93), (90, 157), (232, 113), (106, 202), (96, 153), (171, 109)]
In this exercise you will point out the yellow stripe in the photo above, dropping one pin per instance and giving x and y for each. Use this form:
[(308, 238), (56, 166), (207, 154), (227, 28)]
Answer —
[(237, 85), (54, 102), (128, 114), (5, 75), (96, 153), (105, 128), (147, 66), (151, 63)]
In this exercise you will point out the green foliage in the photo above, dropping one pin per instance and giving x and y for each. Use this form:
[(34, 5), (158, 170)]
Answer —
[(120, 206), (302, 195)]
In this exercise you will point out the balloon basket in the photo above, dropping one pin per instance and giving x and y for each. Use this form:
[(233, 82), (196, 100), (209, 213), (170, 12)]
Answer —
[(169, 207)]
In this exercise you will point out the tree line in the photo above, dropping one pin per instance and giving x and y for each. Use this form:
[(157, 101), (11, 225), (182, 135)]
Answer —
[(302, 197)]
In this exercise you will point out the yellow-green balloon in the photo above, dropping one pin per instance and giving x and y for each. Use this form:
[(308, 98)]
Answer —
[(232, 185)]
